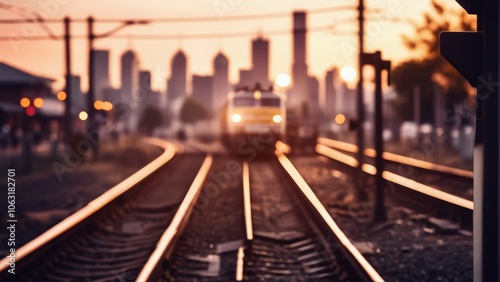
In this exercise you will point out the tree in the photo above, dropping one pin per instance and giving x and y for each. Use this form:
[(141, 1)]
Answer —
[(151, 118), (193, 111), (428, 67)]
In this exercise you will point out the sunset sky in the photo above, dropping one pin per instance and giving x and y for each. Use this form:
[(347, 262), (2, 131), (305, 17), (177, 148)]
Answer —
[(325, 48)]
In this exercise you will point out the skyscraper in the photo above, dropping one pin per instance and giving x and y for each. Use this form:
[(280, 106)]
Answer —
[(260, 61), (220, 83), (246, 78), (101, 73), (330, 105), (313, 98), (299, 67), (176, 86), (130, 86), (147, 97), (78, 103)]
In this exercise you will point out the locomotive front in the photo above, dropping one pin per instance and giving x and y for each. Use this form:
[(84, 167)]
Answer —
[(254, 118)]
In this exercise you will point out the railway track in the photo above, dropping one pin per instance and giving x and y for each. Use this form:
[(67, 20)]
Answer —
[(247, 225), (188, 217), (113, 237), (289, 234), (451, 180), (438, 196)]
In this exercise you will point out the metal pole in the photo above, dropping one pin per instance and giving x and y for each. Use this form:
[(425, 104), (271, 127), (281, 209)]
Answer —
[(361, 194), (90, 93), (67, 114), (379, 212), (489, 90)]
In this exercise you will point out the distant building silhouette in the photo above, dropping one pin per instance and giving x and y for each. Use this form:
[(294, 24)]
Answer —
[(202, 90), (313, 98), (246, 78), (146, 96), (130, 86), (78, 101), (260, 61), (145, 80), (299, 67), (113, 95), (176, 85), (330, 106), (220, 83), (101, 73)]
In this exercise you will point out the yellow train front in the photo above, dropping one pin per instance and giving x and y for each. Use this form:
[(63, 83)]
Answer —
[(252, 120)]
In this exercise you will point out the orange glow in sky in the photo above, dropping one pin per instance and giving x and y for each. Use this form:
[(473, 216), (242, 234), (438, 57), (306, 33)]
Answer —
[(334, 46)]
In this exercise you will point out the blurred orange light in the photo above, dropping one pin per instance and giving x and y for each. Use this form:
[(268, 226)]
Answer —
[(107, 106), (25, 102), (38, 102), (98, 104), (340, 119), (61, 95)]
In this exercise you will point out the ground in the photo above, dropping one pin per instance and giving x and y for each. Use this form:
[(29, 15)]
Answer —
[(43, 199)]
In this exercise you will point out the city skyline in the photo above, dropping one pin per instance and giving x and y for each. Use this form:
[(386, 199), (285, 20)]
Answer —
[(324, 47)]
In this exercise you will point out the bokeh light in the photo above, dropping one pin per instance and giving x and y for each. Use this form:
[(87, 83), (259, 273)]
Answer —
[(61, 95), (107, 106), (38, 102), (348, 73), (283, 80), (25, 102), (340, 119), (83, 115), (98, 104)]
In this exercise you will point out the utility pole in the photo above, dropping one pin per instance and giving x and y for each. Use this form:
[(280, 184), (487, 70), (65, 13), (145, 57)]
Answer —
[(90, 93), (68, 90), (375, 59), (361, 193)]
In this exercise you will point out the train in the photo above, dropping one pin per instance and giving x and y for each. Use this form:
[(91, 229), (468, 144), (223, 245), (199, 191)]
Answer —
[(253, 117)]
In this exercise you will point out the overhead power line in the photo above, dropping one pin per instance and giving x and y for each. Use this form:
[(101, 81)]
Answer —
[(196, 19), (330, 28)]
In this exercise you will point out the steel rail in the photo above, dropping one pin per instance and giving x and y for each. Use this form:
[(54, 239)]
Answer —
[(397, 179), (169, 237), (367, 268), (93, 207), (351, 148)]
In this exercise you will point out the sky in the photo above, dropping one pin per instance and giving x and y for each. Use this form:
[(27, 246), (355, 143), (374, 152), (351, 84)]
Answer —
[(325, 49)]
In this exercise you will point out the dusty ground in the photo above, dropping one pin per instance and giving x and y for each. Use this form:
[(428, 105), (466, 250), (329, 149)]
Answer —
[(43, 199)]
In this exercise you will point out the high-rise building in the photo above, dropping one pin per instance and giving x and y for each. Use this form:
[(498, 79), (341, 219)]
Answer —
[(101, 73), (78, 103), (147, 97), (130, 86), (260, 61), (330, 106), (299, 67), (220, 83), (145, 80), (313, 98), (246, 78), (202, 90), (176, 86)]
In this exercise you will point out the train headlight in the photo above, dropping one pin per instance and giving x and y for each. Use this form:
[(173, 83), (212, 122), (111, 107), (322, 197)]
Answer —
[(236, 118), (277, 118)]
